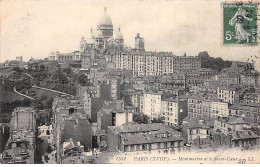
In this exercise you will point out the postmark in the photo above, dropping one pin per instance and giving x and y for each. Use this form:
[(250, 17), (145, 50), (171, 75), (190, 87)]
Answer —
[(240, 23)]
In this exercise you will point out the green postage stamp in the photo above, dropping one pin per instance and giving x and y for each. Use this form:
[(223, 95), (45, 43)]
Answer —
[(239, 23)]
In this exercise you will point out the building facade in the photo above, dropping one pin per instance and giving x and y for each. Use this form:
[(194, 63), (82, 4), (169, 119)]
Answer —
[(149, 138)]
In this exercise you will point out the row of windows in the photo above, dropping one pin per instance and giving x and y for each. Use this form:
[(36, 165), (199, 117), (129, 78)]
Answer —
[(145, 147), (198, 131)]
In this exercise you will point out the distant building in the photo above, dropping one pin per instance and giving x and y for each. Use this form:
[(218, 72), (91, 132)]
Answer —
[(152, 104), (113, 114), (228, 94), (229, 124), (235, 133), (197, 131), (193, 78), (23, 118), (69, 121), (206, 108), (242, 73), (153, 63), (195, 106), (79, 129), (174, 111), (248, 111), (20, 147), (175, 80), (245, 139), (45, 133), (139, 43), (252, 97), (19, 59), (85, 94), (219, 109), (151, 138), (65, 57)]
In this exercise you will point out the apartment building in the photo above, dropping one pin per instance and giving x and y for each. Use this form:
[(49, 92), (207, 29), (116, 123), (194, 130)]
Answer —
[(148, 138)]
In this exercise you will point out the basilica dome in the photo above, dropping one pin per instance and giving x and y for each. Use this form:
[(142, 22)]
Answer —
[(105, 25), (105, 19)]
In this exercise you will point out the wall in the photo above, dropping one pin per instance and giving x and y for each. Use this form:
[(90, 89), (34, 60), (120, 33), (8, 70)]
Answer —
[(23, 120), (183, 105), (79, 130), (112, 140)]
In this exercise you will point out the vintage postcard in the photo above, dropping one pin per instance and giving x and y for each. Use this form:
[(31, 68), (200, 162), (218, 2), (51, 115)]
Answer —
[(129, 82)]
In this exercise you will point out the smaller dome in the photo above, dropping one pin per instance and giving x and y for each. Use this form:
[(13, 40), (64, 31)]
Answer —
[(91, 38), (118, 35), (99, 34)]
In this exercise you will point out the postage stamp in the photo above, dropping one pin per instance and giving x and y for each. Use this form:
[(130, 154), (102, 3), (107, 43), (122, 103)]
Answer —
[(239, 23)]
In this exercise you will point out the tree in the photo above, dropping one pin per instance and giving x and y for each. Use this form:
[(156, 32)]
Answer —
[(68, 71), (140, 118), (83, 80), (159, 120), (60, 77), (17, 69), (42, 67), (49, 103), (213, 63), (37, 104)]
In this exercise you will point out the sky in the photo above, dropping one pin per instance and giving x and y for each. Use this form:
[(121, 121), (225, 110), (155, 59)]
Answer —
[(35, 28)]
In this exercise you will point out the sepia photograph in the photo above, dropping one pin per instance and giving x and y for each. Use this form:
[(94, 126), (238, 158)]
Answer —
[(129, 82)]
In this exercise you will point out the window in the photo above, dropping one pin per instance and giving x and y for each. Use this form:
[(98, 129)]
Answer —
[(144, 147), (172, 143), (158, 145), (132, 147), (125, 148), (165, 145)]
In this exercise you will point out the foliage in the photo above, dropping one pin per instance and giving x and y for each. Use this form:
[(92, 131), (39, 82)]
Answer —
[(8, 84), (37, 105), (159, 120), (68, 71), (17, 69), (140, 118), (40, 75), (213, 63), (5, 107), (83, 80), (48, 104), (58, 76), (42, 67)]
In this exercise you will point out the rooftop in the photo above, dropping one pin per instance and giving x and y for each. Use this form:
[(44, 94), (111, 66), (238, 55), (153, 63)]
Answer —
[(231, 120), (195, 122), (243, 134), (152, 137), (134, 127), (171, 99)]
